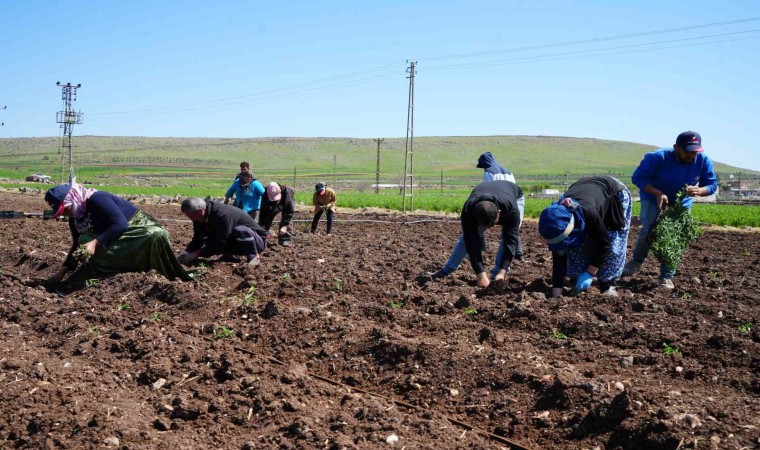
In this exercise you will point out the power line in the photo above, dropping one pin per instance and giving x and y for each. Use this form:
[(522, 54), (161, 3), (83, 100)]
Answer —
[(588, 41)]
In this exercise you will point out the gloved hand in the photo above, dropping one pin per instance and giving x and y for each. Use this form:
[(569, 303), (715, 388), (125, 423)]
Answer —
[(583, 282)]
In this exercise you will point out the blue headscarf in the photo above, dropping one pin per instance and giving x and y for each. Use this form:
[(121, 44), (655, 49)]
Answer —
[(561, 224)]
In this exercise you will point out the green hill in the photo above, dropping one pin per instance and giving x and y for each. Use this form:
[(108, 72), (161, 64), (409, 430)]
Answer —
[(527, 156)]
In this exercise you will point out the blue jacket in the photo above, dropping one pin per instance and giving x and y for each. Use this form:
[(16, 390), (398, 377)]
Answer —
[(248, 199), (492, 170), (662, 170)]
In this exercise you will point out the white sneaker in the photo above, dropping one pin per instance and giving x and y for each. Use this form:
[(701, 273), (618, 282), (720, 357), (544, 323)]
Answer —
[(667, 283), (611, 292)]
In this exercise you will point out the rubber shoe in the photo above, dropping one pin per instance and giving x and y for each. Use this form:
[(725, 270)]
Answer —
[(254, 262), (611, 292), (438, 274), (631, 268), (667, 283)]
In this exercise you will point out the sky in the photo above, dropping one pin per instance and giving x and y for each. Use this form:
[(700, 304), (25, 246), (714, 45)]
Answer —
[(639, 71)]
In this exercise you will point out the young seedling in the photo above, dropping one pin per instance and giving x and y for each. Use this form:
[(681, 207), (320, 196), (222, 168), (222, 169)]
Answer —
[(558, 335), (676, 229), (746, 253), (686, 296), (338, 284), (714, 274), (155, 317), (95, 330), (202, 265), (668, 350), (250, 297), (470, 311), (745, 328), (394, 305), (124, 307), (222, 332), (285, 277), (91, 282)]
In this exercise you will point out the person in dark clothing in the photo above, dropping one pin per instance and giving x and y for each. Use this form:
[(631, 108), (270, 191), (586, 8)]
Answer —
[(278, 199), (587, 233), (460, 249), (113, 233), (489, 204), (221, 229)]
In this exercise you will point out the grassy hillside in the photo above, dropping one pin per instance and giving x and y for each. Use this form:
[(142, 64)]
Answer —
[(352, 158)]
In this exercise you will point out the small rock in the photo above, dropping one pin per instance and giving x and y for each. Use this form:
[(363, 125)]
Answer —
[(160, 425), (715, 441), (391, 439), (111, 441), (692, 420), (158, 384), (696, 280), (720, 314), (67, 364), (679, 369), (250, 445), (626, 361), (619, 386), (453, 392)]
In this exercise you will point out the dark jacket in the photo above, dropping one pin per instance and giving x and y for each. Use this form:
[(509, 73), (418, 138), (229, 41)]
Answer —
[(269, 209), (602, 213), (106, 217), (212, 235), (504, 194)]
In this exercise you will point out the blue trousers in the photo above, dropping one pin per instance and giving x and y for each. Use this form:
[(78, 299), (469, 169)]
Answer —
[(460, 252)]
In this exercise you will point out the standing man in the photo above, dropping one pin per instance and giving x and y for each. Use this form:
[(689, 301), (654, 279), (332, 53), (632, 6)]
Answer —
[(489, 204), (660, 176), (247, 191), (492, 170), (221, 229), (278, 199), (243, 167), (324, 200)]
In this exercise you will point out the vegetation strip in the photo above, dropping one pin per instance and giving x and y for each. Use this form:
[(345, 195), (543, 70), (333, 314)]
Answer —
[(453, 421)]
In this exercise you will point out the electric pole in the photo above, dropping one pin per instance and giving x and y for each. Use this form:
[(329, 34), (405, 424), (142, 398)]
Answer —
[(3, 123), (377, 169), (68, 118), (409, 153)]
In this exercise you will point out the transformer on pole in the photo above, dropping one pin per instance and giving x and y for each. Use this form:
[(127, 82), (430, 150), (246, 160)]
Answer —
[(68, 118)]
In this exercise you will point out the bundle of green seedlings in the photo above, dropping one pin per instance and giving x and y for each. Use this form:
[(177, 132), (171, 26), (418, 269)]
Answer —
[(675, 231), (81, 257)]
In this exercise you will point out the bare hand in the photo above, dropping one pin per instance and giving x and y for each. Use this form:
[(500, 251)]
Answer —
[(226, 200), (483, 281), (91, 246), (694, 191), (662, 201)]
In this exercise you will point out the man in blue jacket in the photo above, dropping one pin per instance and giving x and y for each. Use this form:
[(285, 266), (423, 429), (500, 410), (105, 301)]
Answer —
[(660, 176)]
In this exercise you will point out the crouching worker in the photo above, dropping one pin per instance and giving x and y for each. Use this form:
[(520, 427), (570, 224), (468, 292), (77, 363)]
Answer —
[(113, 234), (323, 200), (587, 233), (220, 229), (278, 199), (490, 203)]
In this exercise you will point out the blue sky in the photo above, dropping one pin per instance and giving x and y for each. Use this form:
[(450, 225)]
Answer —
[(330, 68)]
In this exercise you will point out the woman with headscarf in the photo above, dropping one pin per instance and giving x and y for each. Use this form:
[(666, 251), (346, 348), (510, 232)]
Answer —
[(247, 191), (113, 235), (587, 233)]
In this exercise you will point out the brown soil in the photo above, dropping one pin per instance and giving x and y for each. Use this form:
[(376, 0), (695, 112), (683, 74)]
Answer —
[(77, 371)]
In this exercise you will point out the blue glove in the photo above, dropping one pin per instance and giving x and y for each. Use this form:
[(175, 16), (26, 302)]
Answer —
[(583, 282)]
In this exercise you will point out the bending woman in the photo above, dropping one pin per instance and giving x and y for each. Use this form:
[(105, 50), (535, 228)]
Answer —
[(587, 233), (116, 235)]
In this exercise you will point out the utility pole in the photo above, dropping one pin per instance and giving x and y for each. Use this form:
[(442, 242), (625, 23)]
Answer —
[(3, 123), (409, 153), (377, 169), (68, 118)]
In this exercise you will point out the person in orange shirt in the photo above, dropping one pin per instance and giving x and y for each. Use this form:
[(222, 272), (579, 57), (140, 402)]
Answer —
[(324, 200)]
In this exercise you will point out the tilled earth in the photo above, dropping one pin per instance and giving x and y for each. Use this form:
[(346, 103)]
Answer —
[(337, 342)]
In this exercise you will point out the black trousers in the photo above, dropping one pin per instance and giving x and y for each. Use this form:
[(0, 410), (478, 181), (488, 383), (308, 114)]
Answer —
[(245, 241), (318, 216)]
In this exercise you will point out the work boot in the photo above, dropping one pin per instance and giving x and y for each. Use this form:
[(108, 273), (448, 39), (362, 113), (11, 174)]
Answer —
[(228, 257), (631, 268), (667, 283), (284, 240), (437, 275)]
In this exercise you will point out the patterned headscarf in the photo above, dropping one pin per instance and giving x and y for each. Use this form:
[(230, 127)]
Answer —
[(561, 224), (69, 195)]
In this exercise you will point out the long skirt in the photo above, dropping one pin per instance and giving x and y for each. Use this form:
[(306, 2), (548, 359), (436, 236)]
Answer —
[(612, 266), (142, 247)]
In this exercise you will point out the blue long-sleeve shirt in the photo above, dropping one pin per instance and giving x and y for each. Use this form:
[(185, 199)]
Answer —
[(247, 199), (662, 170)]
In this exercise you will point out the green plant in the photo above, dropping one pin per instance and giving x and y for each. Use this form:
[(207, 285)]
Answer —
[(669, 350), (393, 304), (745, 328), (222, 332), (285, 277), (95, 330), (713, 274), (686, 296), (202, 265), (250, 297), (155, 316), (558, 335), (746, 253), (91, 282), (338, 284), (470, 311), (124, 307), (675, 231)]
